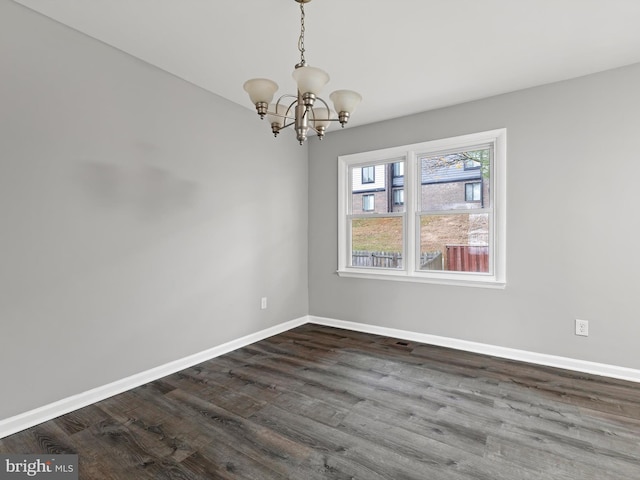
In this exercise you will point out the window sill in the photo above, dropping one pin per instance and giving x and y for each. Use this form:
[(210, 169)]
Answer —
[(479, 282)]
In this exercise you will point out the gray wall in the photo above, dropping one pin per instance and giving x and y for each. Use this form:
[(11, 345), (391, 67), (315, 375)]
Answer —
[(138, 225), (572, 224)]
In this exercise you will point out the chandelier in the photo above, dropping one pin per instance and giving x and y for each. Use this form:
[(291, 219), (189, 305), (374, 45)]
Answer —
[(303, 111)]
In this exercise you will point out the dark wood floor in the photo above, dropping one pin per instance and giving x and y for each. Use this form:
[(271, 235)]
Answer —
[(323, 403)]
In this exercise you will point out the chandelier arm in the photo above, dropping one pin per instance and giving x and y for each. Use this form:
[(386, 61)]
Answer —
[(312, 116), (277, 114), (286, 95), (328, 119), (286, 115), (291, 106), (312, 125), (326, 106)]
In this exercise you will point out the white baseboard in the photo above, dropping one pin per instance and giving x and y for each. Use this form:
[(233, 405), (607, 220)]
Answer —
[(613, 371), (36, 416)]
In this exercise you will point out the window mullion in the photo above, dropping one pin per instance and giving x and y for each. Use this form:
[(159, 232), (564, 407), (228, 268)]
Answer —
[(411, 206)]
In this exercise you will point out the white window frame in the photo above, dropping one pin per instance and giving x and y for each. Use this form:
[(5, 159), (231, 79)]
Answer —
[(496, 278)]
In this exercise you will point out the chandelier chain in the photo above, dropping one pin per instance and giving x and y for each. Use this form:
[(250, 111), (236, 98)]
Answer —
[(301, 38)]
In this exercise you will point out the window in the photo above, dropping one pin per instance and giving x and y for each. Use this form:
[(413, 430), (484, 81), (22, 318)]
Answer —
[(368, 174), (398, 197), (398, 169), (445, 224), (368, 203), (473, 192)]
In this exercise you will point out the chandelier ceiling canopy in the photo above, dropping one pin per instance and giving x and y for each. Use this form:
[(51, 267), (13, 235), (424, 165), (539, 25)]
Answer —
[(302, 111)]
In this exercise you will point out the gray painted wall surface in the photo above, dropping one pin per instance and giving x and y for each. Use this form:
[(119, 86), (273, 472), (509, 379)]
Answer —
[(572, 232), (138, 225)]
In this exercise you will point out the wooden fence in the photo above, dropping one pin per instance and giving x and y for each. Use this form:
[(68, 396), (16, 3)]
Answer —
[(467, 258), (363, 258), (431, 261), (459, 258)]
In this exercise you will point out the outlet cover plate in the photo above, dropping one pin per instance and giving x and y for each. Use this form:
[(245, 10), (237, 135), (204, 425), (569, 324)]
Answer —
[(582, 327)]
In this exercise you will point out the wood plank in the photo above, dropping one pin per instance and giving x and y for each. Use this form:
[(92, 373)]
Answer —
[(319, 402)]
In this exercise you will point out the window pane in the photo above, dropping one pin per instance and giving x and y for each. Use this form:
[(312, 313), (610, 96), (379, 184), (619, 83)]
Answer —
[(469, 192), (398, 197), (368, 174), (455, 181), (373, 188), (368, 203), (456, 242), (473, 192), (376, 242)]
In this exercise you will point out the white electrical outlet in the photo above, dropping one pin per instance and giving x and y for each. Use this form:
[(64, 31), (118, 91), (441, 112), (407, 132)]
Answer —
[(582, 327), (263, 303)]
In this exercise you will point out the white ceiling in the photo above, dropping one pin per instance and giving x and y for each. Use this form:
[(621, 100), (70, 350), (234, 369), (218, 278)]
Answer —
[(403, 56)]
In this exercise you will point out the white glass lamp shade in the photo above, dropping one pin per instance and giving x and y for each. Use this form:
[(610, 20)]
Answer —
[(321, 118), (310, 79), (280, 110), (345, 100), (260, 89)]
